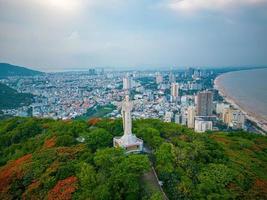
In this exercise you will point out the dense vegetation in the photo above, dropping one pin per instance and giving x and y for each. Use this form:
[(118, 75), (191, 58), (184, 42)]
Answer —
[(43, 158), (207, 166), (97, 111), (10, 98), (12, 70)]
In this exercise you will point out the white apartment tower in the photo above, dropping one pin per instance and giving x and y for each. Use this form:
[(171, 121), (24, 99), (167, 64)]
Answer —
[(175, 91), (127, 84), (159, 78), (191, 114), (172, 78)]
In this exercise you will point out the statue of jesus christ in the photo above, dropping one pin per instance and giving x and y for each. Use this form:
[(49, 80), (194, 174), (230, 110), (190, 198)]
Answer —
[(126, 116)]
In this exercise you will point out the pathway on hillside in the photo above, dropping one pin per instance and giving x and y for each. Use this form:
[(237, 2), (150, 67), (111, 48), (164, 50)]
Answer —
[(151, 178), (152, 183)]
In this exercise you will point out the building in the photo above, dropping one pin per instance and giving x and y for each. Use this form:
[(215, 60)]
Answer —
[(127, 84), (178, 118), (168, 117), (227, 116), (184, 116), (159, 78), (202, 126), (220, 108), (172, 78), (204, 103), (238, 119), (175, 91), (190, 71), (195, 86), (234, 118), (191, 114), (92, 72), (128, 141), (197, 74)]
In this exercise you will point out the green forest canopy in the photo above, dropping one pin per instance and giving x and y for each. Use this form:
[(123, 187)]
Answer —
[(10, 98), (43, 158)]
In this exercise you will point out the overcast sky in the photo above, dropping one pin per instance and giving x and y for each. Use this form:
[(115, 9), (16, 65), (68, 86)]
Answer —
[(53, 35)]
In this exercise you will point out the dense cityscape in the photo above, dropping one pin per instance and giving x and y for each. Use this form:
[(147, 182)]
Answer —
[(185, 97)]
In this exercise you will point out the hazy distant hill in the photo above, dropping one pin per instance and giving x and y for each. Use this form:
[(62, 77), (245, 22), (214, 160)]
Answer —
[(10, 98), (12, 70)]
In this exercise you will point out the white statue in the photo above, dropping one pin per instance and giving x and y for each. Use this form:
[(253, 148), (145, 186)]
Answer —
[(128, 141), (127, 107)]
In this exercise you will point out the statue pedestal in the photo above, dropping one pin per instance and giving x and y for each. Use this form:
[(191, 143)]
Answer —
[(130, 143)]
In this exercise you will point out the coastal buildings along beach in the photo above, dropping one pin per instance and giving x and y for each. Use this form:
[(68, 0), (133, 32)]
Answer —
[(86, 95), (246, 91)]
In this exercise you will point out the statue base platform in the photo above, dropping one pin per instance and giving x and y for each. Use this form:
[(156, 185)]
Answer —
[(130, 143)]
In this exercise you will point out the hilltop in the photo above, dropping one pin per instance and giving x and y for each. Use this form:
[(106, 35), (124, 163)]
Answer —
[(12, 70), (10, 98), (44, 158)]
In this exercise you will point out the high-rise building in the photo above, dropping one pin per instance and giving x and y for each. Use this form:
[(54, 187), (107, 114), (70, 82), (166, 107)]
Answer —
[(175, 91), (202, 125), (227, 116), (127, 83), (172, 78), (197, 74), (159, 78), (220, 107), (128, 141), (191, 114), (233, 118), (92, 72), (190, 72), (238, 119), (178, 118), (184, 117), (204, 103)]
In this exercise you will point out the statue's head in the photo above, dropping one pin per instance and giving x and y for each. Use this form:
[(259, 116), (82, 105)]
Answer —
[(127, 98)]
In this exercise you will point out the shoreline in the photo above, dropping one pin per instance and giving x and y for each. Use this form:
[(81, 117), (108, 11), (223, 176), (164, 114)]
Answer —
[(260, 121)]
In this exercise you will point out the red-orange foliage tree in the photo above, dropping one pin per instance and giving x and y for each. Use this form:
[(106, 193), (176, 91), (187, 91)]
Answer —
[(63, 189)]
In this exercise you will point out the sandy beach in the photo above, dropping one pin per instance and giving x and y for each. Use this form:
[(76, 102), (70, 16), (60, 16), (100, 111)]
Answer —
[(259, 120)]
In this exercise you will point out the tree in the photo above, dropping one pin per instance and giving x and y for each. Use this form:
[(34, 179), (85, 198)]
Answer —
[(151, 136), (108, 157), (99, 138), (213, 180), (130, 168), (165, 158), (87, 181), (65, 140)]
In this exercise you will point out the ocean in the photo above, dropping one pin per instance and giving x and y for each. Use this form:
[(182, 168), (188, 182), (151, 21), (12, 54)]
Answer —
[(248, 89)]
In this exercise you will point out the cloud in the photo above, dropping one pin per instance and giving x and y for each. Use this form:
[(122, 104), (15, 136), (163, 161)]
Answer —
[(196, 6), (73, 36), (54, 34)]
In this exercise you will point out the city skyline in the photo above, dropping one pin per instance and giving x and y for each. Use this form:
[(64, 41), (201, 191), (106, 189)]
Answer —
[(59, 35)]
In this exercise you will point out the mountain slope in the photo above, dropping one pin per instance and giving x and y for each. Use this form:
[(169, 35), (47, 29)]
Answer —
[(42, 159), (10, 98), (12, 70), (45, 161)]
